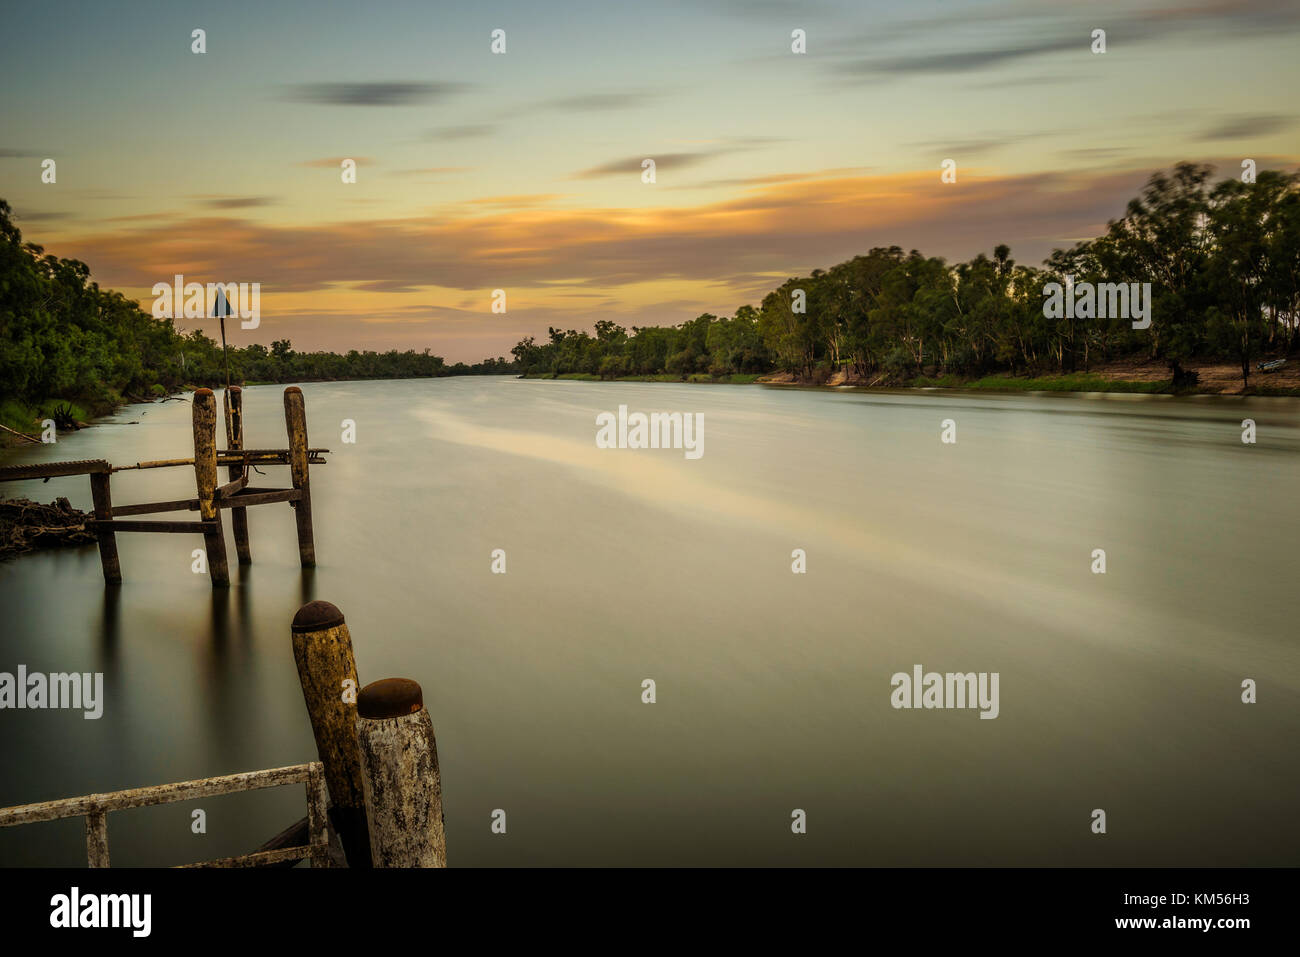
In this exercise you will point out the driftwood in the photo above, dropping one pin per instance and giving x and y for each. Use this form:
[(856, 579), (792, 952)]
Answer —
[(26, 525)]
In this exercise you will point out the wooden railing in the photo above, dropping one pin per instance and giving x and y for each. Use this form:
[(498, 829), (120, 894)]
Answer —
[(95, 807)]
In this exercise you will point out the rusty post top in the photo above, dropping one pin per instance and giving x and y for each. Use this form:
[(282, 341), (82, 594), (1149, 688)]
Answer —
[(199, 392), (317, 616), (292, 390), (389, 698), (233, 388)]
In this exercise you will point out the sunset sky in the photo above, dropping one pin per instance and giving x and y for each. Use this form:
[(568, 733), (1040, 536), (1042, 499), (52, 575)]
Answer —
[(522, 171)]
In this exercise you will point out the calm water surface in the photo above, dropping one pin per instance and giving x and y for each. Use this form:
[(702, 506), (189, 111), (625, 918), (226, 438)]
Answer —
[(1118, 691)]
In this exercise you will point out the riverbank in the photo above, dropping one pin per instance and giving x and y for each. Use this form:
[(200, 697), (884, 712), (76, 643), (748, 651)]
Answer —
[(1126, 375)]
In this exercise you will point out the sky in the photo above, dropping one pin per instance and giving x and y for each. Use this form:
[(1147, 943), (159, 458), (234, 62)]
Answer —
[(522, 170)]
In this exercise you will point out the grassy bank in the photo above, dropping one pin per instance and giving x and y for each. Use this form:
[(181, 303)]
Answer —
[(1075, 382), (22, 417), (1078, 382), (736, 379)]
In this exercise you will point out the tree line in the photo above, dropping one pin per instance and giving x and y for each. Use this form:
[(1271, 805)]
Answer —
[(1223, 261)]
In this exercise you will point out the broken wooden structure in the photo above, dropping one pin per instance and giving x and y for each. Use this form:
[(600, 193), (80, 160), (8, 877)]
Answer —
[(236, 496), (374, 797)]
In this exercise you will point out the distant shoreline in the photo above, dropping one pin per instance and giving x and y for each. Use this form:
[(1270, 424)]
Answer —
[(1130, 377)]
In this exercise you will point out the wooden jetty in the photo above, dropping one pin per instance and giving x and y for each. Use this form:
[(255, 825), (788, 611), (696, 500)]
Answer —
[(374, 797), (236, 496)]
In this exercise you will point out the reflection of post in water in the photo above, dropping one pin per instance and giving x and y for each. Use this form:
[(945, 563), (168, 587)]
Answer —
[(219, 618), (243, 610), (110, 624)]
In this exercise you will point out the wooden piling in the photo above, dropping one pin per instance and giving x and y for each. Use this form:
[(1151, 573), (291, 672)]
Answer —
[(399, 771), (103, 499), (205, 477), (295, 423), (233, 403), (322, 649)]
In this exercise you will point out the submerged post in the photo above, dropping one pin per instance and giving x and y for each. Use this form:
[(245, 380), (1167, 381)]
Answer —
[(103, 499), (399, 769), (295, 423), (233, 402), (322, 649), (205, 477)]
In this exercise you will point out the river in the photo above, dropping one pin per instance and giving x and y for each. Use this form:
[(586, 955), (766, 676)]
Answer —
[(1119, 691)]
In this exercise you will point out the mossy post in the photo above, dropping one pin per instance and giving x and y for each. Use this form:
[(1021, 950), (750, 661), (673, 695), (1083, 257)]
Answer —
[(205, 477), (295, 422), (399, 769), (233, 402), (322, 649)]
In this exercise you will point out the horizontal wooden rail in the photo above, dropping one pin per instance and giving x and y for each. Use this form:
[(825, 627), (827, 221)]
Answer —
[(261, 496), (157, 794), (153, 508), (245, 497), (228, 457), (95, 807), (17, 473), (113, 525)]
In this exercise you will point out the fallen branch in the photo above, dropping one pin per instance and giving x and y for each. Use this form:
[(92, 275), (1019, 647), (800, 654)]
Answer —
[(21, 435)]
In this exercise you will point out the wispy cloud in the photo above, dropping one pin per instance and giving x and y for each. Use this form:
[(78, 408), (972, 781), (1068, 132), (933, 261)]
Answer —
[(373, 94), (601, 102), (518, 201), (633, 165), (334, 162), (432, 171), (49, 216), (958, 61), (683, 160), (236, 202), (468, 131), (1242, 127)]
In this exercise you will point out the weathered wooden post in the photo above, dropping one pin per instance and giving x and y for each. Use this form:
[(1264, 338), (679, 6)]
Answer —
[(399, 769), (103, 499), (205, 477), (295, 422), (322, 649), (233, 403), (97, 837)]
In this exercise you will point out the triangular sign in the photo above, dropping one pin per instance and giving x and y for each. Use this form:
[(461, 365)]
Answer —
[(221, 306)]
